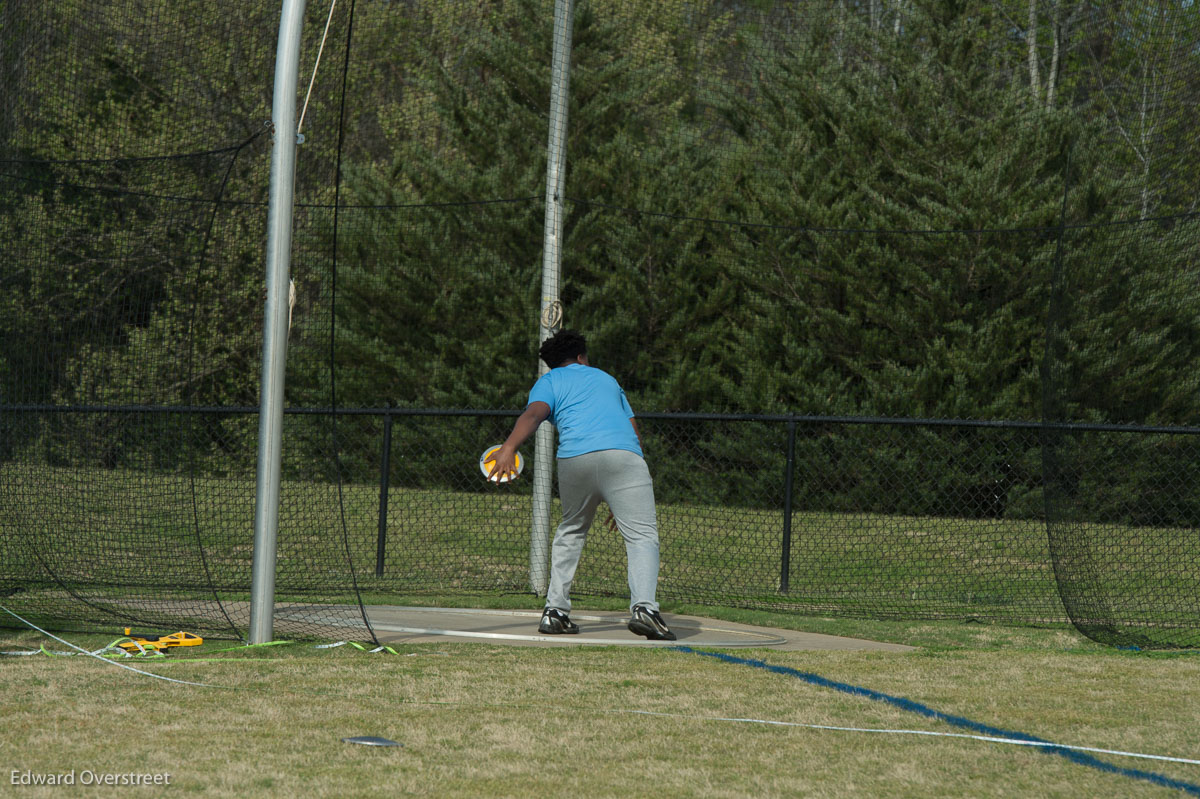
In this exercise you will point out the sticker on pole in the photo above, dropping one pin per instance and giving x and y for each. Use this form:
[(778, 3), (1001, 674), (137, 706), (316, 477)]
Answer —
[(486, 461)]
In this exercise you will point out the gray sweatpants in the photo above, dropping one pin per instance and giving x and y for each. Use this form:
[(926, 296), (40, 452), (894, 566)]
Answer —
[(621, 479)]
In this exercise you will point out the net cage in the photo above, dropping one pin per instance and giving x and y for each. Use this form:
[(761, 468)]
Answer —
[(904, 294)]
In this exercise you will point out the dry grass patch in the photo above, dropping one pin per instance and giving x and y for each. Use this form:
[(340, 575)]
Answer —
[(483, 720)]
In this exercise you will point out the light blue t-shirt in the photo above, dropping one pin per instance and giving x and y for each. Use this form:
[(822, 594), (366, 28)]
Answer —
[(588, 407)]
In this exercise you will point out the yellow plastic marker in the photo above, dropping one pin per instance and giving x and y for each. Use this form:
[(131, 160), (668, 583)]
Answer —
[(159, 641)]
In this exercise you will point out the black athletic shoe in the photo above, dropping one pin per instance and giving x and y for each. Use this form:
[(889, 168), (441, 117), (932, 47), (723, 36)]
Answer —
[(647, 622), (555, 622)]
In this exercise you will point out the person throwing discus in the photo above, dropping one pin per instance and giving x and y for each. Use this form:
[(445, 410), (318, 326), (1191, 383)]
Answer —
[(599, 460)]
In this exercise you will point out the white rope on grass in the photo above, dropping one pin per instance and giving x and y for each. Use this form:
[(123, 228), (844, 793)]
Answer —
[(81, 650), (987, 738)]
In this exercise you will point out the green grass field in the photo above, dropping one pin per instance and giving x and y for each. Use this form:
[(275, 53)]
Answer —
[(479, 720)]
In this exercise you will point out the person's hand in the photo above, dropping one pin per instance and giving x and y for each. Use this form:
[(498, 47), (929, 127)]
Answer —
[(504, 465)]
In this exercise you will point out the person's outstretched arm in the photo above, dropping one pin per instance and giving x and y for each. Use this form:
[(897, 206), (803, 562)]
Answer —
[(527, 422)]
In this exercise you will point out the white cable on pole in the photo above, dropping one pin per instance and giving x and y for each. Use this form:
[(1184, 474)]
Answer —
[(313, 79)]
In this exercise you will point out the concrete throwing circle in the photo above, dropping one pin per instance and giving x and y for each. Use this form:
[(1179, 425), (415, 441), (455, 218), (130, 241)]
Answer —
[(520, 626)]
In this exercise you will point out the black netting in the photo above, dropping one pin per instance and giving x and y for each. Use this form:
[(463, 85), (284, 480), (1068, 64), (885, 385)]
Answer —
[(904, 294)]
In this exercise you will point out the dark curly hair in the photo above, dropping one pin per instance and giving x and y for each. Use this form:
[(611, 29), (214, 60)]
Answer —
[(565, 345)]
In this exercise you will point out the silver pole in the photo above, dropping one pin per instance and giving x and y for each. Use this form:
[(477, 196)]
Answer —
[(275, 322), (551, 320)]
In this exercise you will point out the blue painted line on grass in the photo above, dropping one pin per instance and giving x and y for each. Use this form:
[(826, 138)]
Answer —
[(956, 721)]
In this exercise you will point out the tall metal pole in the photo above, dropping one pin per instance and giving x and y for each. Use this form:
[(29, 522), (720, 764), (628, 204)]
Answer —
[(385, 474), (275, 322), (551, 320), (785, 560)]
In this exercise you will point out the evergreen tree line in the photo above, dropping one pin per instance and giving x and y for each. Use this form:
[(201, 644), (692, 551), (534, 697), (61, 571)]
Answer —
[(833, 208)]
